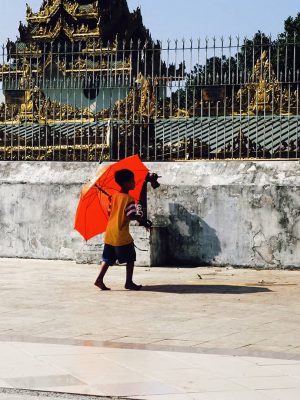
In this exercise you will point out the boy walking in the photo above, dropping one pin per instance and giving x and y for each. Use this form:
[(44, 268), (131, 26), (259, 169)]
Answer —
[(118, 243)]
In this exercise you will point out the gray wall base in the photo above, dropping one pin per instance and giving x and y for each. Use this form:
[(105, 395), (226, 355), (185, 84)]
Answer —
[(150, 248)]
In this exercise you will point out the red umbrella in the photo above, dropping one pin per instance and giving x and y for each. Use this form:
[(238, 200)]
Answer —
[(92, 211)]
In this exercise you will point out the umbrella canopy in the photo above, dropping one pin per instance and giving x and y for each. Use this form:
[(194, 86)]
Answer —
[(92, 211)]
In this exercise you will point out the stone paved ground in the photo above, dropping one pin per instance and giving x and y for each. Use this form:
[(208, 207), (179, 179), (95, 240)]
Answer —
[(228, 309), (191, 334)]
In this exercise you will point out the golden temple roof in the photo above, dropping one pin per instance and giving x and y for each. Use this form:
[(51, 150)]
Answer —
[(50, 8), (68, 36), (78, 21)]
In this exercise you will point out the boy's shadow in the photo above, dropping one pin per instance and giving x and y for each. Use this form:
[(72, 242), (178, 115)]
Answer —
[(217, 289)]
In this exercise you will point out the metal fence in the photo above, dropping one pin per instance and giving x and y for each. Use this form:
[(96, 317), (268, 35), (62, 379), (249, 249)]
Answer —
[(183, 100)]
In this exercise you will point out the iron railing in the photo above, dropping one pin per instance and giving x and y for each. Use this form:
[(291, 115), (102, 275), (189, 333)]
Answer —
[(200, 99)]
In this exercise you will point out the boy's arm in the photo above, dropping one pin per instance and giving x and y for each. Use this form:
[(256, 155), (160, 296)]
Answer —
[(131, 213)]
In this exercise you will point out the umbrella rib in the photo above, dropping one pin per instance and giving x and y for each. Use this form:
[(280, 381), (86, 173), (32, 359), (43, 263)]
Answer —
[(102, 190)]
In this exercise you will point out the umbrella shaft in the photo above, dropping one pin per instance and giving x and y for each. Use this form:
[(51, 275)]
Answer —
[(101, 190)]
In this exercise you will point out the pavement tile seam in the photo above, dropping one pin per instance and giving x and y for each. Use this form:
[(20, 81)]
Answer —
[(151, 376), (90, 381), (168, 355), (153, 347), (43, 361)]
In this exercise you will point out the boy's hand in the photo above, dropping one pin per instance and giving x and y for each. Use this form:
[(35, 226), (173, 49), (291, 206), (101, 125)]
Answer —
[(146, 223)]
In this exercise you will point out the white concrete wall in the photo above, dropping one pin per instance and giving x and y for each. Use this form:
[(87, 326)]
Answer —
[(236, 213), (241, 213)]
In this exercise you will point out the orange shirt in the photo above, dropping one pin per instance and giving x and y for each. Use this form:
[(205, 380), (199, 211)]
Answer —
[(117, 231)]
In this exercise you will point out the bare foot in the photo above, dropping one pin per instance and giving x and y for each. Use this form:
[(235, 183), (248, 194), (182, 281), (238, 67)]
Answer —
[(133, 286), (101, 285)]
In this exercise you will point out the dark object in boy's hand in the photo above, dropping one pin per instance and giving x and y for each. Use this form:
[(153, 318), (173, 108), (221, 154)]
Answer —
[(153, 180), (146, 223)]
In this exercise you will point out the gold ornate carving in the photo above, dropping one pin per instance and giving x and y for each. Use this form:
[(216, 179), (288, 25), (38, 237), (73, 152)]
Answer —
[(42, 33), (71, 7), (90, 11), (62, 67), (5, 68), (69, 31), (27, 107), (148, 96), (79, 29), (32, 50), (182, 113), (36, 108), (93, 49), (80, 64), (139, 104), (44, 14), (264, 94), (29, 12), (48, 61), (84, 31)]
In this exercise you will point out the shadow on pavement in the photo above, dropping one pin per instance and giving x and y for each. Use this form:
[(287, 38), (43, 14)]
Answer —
[(225, 289)]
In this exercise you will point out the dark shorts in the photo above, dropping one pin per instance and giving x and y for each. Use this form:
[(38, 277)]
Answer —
[(124, 254)]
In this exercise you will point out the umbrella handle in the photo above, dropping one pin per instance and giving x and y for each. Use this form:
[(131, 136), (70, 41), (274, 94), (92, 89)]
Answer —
[(101, 190)]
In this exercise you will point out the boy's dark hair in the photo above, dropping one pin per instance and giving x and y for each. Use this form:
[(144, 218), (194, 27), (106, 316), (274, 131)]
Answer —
[(123, 176)]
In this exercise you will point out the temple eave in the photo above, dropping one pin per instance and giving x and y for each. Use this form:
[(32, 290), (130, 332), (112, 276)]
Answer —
[(72, 36), (88, 35), (91, 15), (38, 20), (42, 37)]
